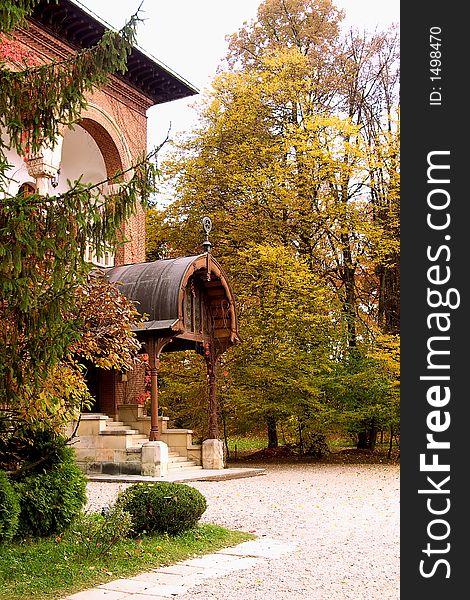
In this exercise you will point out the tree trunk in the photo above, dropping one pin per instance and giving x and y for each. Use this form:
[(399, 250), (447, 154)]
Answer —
[(362, 440), (389, 455), (372, 435), (349, 302), (272, 432), (301, 441), (389, 298), (367, 437)]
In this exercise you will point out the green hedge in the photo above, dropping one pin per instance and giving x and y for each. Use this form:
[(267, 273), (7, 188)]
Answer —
[(50, 500)]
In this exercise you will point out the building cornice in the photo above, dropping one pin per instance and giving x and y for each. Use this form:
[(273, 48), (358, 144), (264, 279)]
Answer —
[(71, 23)]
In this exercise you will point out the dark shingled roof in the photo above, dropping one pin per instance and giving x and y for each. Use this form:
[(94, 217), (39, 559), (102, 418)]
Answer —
[(72, 22)]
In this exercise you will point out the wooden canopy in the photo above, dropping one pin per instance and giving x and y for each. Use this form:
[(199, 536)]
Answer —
[(188, 305)]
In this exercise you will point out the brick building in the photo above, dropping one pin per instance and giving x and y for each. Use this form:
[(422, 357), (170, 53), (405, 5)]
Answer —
[(112, 131)]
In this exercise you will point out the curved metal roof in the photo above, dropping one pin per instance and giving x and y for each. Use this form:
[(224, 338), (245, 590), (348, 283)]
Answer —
[(158, 287), (154, 286)]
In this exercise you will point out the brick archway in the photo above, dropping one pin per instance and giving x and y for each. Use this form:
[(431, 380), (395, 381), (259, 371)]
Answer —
[(115, 152), (105, 143), (109, 139)]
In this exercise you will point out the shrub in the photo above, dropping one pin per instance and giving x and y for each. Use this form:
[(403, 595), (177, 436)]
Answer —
[(316, 445), (50, 500), (9, 509), (31, 449), (97, 533), (162, 507)]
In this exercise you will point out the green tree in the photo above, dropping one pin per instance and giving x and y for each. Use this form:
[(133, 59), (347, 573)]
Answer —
[(44, 279), (298, 145), (275, 377), (364, 391), (287, 324)]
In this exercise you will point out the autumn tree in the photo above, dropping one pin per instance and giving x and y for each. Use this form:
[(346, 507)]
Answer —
[(298, 146), (49, 312), (287, 320)]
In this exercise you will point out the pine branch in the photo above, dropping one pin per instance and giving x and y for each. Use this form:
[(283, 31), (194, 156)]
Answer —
[(35, 102)]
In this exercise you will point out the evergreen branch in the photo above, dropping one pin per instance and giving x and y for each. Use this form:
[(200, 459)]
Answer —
[(36, 101)]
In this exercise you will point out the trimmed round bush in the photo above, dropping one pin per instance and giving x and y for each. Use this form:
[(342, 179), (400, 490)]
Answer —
[(50, 500), (9, 508), (162, 507)]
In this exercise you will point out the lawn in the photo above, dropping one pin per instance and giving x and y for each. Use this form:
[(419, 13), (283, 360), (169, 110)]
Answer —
[(51, 568)]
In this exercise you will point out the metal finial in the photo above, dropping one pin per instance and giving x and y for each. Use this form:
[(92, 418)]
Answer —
[(207, 227)]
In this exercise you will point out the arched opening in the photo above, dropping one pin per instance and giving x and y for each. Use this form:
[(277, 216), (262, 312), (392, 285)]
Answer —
[(26, 189), (81, 159), (106, 145), (84, 159)]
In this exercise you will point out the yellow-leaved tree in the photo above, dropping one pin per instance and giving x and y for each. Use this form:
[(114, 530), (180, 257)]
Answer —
[(297, 146)]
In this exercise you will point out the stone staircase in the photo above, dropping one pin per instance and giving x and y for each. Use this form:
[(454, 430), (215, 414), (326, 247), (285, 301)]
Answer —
[(106, 445)]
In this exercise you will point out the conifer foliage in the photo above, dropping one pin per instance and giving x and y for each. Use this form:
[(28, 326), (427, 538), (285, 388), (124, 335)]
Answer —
[(46, 292)]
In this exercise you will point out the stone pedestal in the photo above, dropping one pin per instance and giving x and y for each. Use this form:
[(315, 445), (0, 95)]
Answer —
[(154, 459), (213, 454)]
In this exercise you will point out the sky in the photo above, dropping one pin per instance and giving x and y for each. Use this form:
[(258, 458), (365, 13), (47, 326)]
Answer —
[(188, 36)]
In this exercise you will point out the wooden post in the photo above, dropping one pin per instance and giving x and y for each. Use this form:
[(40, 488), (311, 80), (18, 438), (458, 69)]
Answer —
[(154, 364), (156, 345), (213, 417)]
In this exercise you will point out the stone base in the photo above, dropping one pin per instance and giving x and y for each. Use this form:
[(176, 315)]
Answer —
[(154, 459), (213, 454)]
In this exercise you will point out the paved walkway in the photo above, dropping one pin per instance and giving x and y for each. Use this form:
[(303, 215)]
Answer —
[(176, 580), (185, 475)]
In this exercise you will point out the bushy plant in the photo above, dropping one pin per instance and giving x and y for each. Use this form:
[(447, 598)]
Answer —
[(315, 444), (9, 508), (97, 533), (162, 507), (51, 499), (31, 449)]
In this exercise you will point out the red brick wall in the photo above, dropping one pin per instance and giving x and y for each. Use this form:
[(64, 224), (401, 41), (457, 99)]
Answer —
[(128, 391), (107, 392)]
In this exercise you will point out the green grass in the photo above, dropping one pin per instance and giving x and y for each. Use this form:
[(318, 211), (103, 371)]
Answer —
[(247, 442), (52, 568), (338, 441)]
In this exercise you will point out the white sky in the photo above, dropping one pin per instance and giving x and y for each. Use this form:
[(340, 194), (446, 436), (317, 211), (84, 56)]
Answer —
[(189, 37)]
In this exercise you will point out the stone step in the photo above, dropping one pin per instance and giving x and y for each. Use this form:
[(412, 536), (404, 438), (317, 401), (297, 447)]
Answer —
[(116, 431), (134, 450), (177, 458), (187, 464), (139, 441)]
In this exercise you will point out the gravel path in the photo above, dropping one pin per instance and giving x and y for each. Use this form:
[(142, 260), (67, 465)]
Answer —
[(343, 518)]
